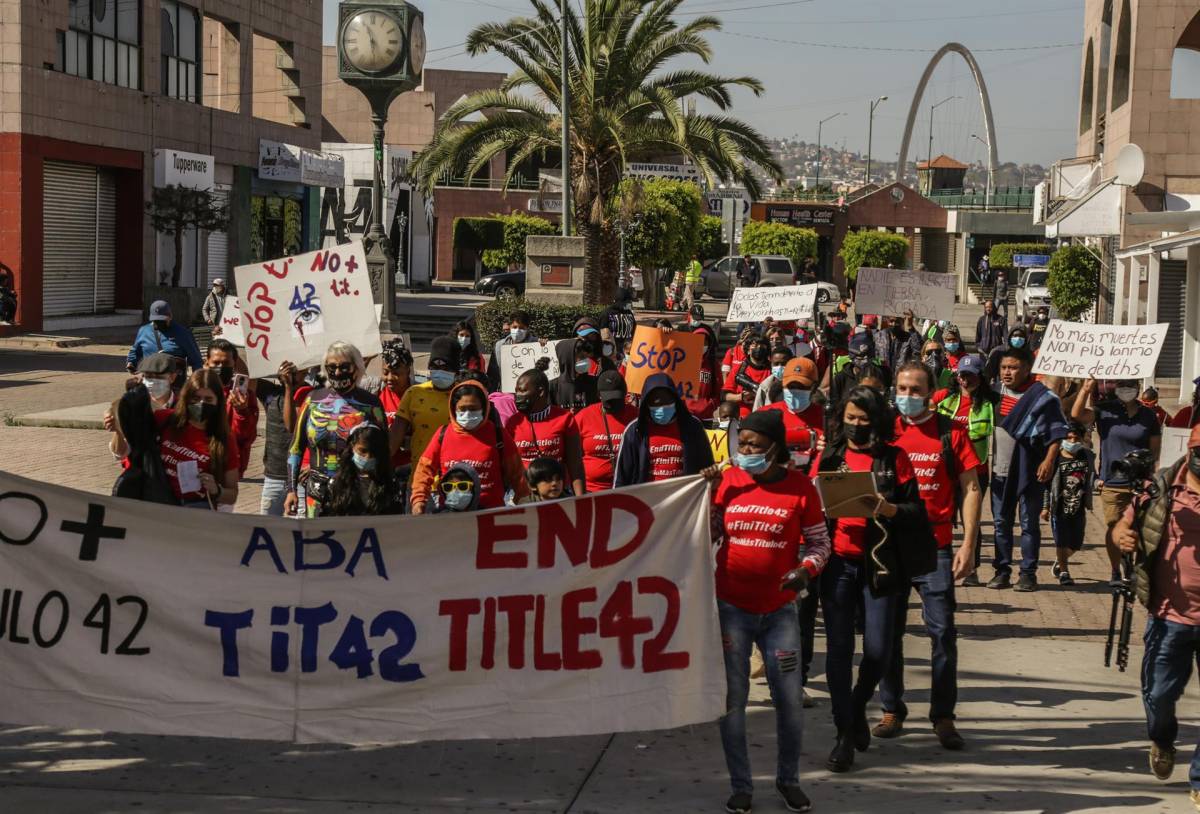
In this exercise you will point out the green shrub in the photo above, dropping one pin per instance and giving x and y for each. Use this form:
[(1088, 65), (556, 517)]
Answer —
[(478, 234), (1000, 255), (669, 220), (712, 245), (515, 227), (872, 249), (548, 321), (1074, 281), (759, 237)]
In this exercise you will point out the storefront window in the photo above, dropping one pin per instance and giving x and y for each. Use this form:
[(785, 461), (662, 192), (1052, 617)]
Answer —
[(102, 42), (180, 51), (276, 227)]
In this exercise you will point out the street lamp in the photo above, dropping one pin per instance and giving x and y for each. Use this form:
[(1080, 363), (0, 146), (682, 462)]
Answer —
[(565, 108), (932, 108), (871, 133), (817, 185), (987, 193)]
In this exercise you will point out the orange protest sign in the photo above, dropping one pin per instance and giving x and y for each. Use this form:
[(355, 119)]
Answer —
[(678, 354)]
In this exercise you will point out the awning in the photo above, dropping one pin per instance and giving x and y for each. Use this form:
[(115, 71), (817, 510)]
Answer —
[(1096, 214), (1161, 244)]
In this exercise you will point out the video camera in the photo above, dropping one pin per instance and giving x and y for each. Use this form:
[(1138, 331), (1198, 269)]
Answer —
[(1137, 469)]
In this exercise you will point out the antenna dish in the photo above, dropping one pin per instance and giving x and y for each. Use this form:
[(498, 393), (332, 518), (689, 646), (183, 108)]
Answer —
[(897, 194), (1130, 166)]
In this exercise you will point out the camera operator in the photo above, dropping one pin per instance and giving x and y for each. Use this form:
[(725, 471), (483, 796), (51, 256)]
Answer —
[(1162, 532)]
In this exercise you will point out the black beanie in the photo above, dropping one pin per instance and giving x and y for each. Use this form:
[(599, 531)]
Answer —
[(770, 424), (445, 348)]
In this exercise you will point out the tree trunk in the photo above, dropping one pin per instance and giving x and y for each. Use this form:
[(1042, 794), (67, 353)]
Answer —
[(610, 263), (178, 270), (593, 272)]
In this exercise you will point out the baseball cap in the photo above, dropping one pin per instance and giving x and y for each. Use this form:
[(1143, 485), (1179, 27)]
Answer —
[(971, 364), (610, 385), (219, 281), (860, 342), (160, 309), (801, 371)]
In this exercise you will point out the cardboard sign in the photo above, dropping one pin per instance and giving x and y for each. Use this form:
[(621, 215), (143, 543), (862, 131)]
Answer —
[(779, 302), (231, 323), (1082, 350), (679, 354), (1174, 445), (578, 617), (293, 308), (516, 359), (891, 292)]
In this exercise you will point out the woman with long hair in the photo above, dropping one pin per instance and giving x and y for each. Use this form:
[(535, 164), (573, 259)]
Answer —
[(199, 458), (365, 483), (469, 355)]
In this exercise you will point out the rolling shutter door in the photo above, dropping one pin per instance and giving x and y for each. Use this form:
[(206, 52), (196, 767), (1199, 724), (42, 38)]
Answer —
[(218, 245), (1172, 278), (68, 239), (106, 242)]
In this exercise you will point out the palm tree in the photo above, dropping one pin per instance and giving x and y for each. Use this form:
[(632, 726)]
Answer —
[(624, 106)]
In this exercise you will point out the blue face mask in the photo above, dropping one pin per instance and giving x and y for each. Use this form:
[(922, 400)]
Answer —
[(663, 415), (442, 379), (910, 406), (468, 419), (797, 400), (363, 463), (754, 464), (458, 501), (777, 372), (1017, 341), (1072, 447), (952, 346)]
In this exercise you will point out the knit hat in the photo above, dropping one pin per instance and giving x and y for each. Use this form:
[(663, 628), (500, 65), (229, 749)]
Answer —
[(768, 423)]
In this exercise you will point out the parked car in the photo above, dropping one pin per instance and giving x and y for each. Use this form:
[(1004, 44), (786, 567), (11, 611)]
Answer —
[(503, 285), (720, 278), (1032, 292)]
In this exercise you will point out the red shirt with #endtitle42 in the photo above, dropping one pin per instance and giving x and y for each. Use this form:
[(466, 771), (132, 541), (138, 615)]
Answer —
[(923, 443), (666, 452)]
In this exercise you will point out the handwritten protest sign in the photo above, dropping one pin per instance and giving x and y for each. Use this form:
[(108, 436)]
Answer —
[(894, 291), (231, 323), (293, 308), (586, 616), (516, 359), (1081, 350), (1174, 444), (780, 302), (678, 354)]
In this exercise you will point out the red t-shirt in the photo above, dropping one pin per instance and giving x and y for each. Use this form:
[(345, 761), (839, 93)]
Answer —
[(924, 447), (476, 448), (754, 374), (391, 403), (763, 524), (952, 359), (1182, 419), (802, 430), (191, 444), (850, 533), (666, 452), (601, 434), (1007, 402), (543, 439)]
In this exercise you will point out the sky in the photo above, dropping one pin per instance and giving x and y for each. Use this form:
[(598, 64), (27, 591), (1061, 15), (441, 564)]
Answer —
[(818, 58)]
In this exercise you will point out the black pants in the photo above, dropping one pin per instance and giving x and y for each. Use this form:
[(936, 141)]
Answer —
[(807, 610)]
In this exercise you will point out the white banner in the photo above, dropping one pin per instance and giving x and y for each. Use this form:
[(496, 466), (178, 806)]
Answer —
[(891, 292), (779, 302), (1174, 445), (576, 617), (293, 308), (1083, 350), (516, 359)]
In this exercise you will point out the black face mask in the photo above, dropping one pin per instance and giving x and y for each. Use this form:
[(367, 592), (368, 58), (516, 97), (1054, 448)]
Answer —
[(759, 354), (160, 325), (1194, 462), (226, 374), (858, 433), (524, 403)]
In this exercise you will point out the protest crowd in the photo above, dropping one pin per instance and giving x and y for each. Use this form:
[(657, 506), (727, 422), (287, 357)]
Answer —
[(849, 459)]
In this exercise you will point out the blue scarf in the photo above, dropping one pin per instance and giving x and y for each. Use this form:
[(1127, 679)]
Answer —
[(1035, 423)]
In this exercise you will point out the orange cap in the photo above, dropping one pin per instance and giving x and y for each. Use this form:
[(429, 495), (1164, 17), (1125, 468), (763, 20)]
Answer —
[(801, 371)]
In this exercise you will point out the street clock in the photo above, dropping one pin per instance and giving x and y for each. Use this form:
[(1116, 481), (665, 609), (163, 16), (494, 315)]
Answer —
[(381, 46)]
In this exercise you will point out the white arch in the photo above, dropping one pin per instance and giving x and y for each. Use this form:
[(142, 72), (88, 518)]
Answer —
[(985, 101)]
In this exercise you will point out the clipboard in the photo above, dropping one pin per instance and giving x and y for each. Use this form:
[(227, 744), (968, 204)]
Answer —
[(840, 492)]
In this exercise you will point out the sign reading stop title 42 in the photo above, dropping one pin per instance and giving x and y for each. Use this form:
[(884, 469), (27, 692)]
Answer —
[(678, 354), (293, 308)]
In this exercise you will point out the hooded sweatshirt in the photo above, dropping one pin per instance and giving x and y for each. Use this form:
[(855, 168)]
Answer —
[(635, 461), (487, 449), (471, 475), (577, 390)]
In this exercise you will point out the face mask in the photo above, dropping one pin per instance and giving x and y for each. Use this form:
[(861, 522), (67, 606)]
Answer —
[(524, 403), (859, 434), (953, 346), (468, 419), (201, 412), (458, 501), (1127, 394), (663, 415), (226, 374), (613, 405), (583, 366), (160, 324), (1194, 463), (518, 334), (1072, 447), (777, 371), (797, 400), (608, 349), (463, 341), (754, 464), (1017, 341), (441, 379), (723, 424), (364, 463), (910, 406), (158, 388), (759, 354)]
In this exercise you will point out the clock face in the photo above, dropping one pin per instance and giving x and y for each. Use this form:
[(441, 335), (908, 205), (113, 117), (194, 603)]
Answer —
[(416, 45), (371, 41)]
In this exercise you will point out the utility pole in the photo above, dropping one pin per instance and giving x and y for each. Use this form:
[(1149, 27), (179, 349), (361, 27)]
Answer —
[(987, 193), (870, 135), (565, 110), (817, 185)]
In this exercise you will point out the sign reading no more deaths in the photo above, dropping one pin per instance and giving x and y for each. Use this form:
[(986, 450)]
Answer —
[(1081, 350)]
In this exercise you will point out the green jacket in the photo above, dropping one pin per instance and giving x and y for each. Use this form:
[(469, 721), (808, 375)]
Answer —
[(1152, 517), (693, 273), (981, 422)]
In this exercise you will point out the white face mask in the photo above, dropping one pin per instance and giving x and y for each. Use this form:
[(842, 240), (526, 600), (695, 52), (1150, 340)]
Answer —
[(1127, 394), (469, 419), (517, 334), (158, 388)]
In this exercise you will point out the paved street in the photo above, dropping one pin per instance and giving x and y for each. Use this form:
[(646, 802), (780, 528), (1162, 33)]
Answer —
[(1048, 728)]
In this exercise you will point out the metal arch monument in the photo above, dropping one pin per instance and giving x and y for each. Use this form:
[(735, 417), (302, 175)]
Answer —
[(985, 101)]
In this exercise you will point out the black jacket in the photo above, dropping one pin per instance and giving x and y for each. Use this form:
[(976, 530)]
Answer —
[(572, 390), (633, 457)]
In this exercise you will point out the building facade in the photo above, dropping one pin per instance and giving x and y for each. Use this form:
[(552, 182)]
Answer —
[(102, 100)]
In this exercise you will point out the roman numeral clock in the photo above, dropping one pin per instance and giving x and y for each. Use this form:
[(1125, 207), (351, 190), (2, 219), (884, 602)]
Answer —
[(381, 51)]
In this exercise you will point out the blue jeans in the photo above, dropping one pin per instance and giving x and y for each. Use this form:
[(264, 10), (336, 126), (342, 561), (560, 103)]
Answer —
[(937, 608), (274, 491), (843, 586), (1030, 506), (806, 607), (1171, 649), (777, 635)]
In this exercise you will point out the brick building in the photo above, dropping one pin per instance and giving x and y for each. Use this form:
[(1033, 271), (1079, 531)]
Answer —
[(102, 100)]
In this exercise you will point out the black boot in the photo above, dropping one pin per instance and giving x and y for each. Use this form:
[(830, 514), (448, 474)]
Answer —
[(862, 730), (841, 759)]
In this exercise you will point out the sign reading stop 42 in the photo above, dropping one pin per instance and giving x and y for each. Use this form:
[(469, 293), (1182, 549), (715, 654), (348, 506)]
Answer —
[(678, 354)]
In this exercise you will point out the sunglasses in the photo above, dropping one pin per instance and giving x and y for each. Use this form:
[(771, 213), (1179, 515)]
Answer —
[(449, 486), (343, 368)]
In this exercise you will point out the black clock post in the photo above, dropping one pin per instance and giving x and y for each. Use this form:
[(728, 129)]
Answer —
[(381, 51)]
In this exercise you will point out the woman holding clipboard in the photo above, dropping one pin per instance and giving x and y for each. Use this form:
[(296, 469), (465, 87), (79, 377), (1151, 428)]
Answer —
[(869, 561)]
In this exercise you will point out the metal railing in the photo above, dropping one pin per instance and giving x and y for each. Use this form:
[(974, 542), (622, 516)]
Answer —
[(519, 182)]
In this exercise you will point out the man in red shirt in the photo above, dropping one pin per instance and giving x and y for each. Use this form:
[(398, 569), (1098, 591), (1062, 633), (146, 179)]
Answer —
[(803, 419), (743, 380), (601, 426), (945, 464), (240, 404), (543, 430)]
